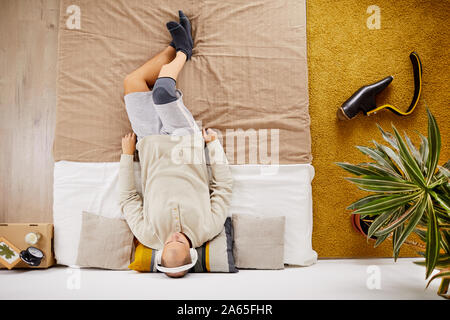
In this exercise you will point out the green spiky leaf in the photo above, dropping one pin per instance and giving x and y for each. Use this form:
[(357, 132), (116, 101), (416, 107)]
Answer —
[(434, 143), (356, 169), (412, 223), (380, 221), (383, 184), (393, 225), (432, 240), (388, 202), (408, 161)]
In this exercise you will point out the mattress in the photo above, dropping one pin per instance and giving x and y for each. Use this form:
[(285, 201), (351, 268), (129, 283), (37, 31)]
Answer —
[(248, 76), (259, 190)]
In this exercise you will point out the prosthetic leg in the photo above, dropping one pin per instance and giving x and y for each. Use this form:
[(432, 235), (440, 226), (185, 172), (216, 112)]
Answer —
[(363, 100)]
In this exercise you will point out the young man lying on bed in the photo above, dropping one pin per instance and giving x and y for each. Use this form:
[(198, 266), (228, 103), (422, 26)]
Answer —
[(183, 206)]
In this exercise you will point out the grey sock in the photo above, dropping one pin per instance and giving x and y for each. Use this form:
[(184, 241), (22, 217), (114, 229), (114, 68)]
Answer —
[(184, 21), (180, 38)]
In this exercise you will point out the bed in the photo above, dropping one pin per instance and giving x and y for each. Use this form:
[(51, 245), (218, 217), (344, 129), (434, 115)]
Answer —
[(247, 79)]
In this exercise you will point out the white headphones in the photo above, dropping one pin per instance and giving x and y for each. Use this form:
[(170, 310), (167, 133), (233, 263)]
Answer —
[(185, 267)]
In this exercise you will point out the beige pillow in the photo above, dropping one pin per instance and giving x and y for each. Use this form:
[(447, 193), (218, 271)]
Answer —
[(104, 243), (258, 241)]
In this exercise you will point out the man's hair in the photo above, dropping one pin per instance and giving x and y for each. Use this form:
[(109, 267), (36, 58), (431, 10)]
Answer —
[(186, 260)]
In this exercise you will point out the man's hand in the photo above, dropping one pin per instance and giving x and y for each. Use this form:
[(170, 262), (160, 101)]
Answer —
[(209, 135), (129, 144)]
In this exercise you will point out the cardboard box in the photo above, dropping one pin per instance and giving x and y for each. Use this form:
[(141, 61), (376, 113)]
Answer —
[(15, 234)]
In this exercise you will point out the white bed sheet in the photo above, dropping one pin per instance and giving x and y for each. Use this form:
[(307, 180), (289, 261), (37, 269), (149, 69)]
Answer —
[(258, 189)]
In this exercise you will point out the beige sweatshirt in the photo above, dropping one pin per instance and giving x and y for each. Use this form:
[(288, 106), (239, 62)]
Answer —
[(179, 195)]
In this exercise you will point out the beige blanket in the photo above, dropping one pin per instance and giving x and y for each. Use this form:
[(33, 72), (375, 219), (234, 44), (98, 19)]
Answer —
[(248, 76)]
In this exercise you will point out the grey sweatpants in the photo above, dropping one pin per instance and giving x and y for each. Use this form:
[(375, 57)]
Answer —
[(160, 111)]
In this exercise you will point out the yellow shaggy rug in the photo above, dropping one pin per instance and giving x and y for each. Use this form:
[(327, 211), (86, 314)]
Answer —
[(350, 44)]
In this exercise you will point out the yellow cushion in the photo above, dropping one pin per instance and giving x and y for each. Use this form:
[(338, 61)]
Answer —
[(142, 259)]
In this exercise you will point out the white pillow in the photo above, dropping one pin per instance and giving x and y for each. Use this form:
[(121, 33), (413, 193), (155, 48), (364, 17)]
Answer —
[(78, 187), (283, 190)]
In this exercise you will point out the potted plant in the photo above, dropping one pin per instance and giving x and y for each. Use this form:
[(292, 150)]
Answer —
[(410, 193)]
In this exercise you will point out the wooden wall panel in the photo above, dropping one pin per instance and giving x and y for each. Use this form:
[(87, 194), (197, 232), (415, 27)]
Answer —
[(28, 42)]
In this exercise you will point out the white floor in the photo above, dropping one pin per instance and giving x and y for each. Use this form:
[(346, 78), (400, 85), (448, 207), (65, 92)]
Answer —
[(328, 279)]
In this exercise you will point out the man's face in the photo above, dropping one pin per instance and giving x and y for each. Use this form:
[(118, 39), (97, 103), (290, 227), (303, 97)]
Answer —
[(176, 252), (177, 241)]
